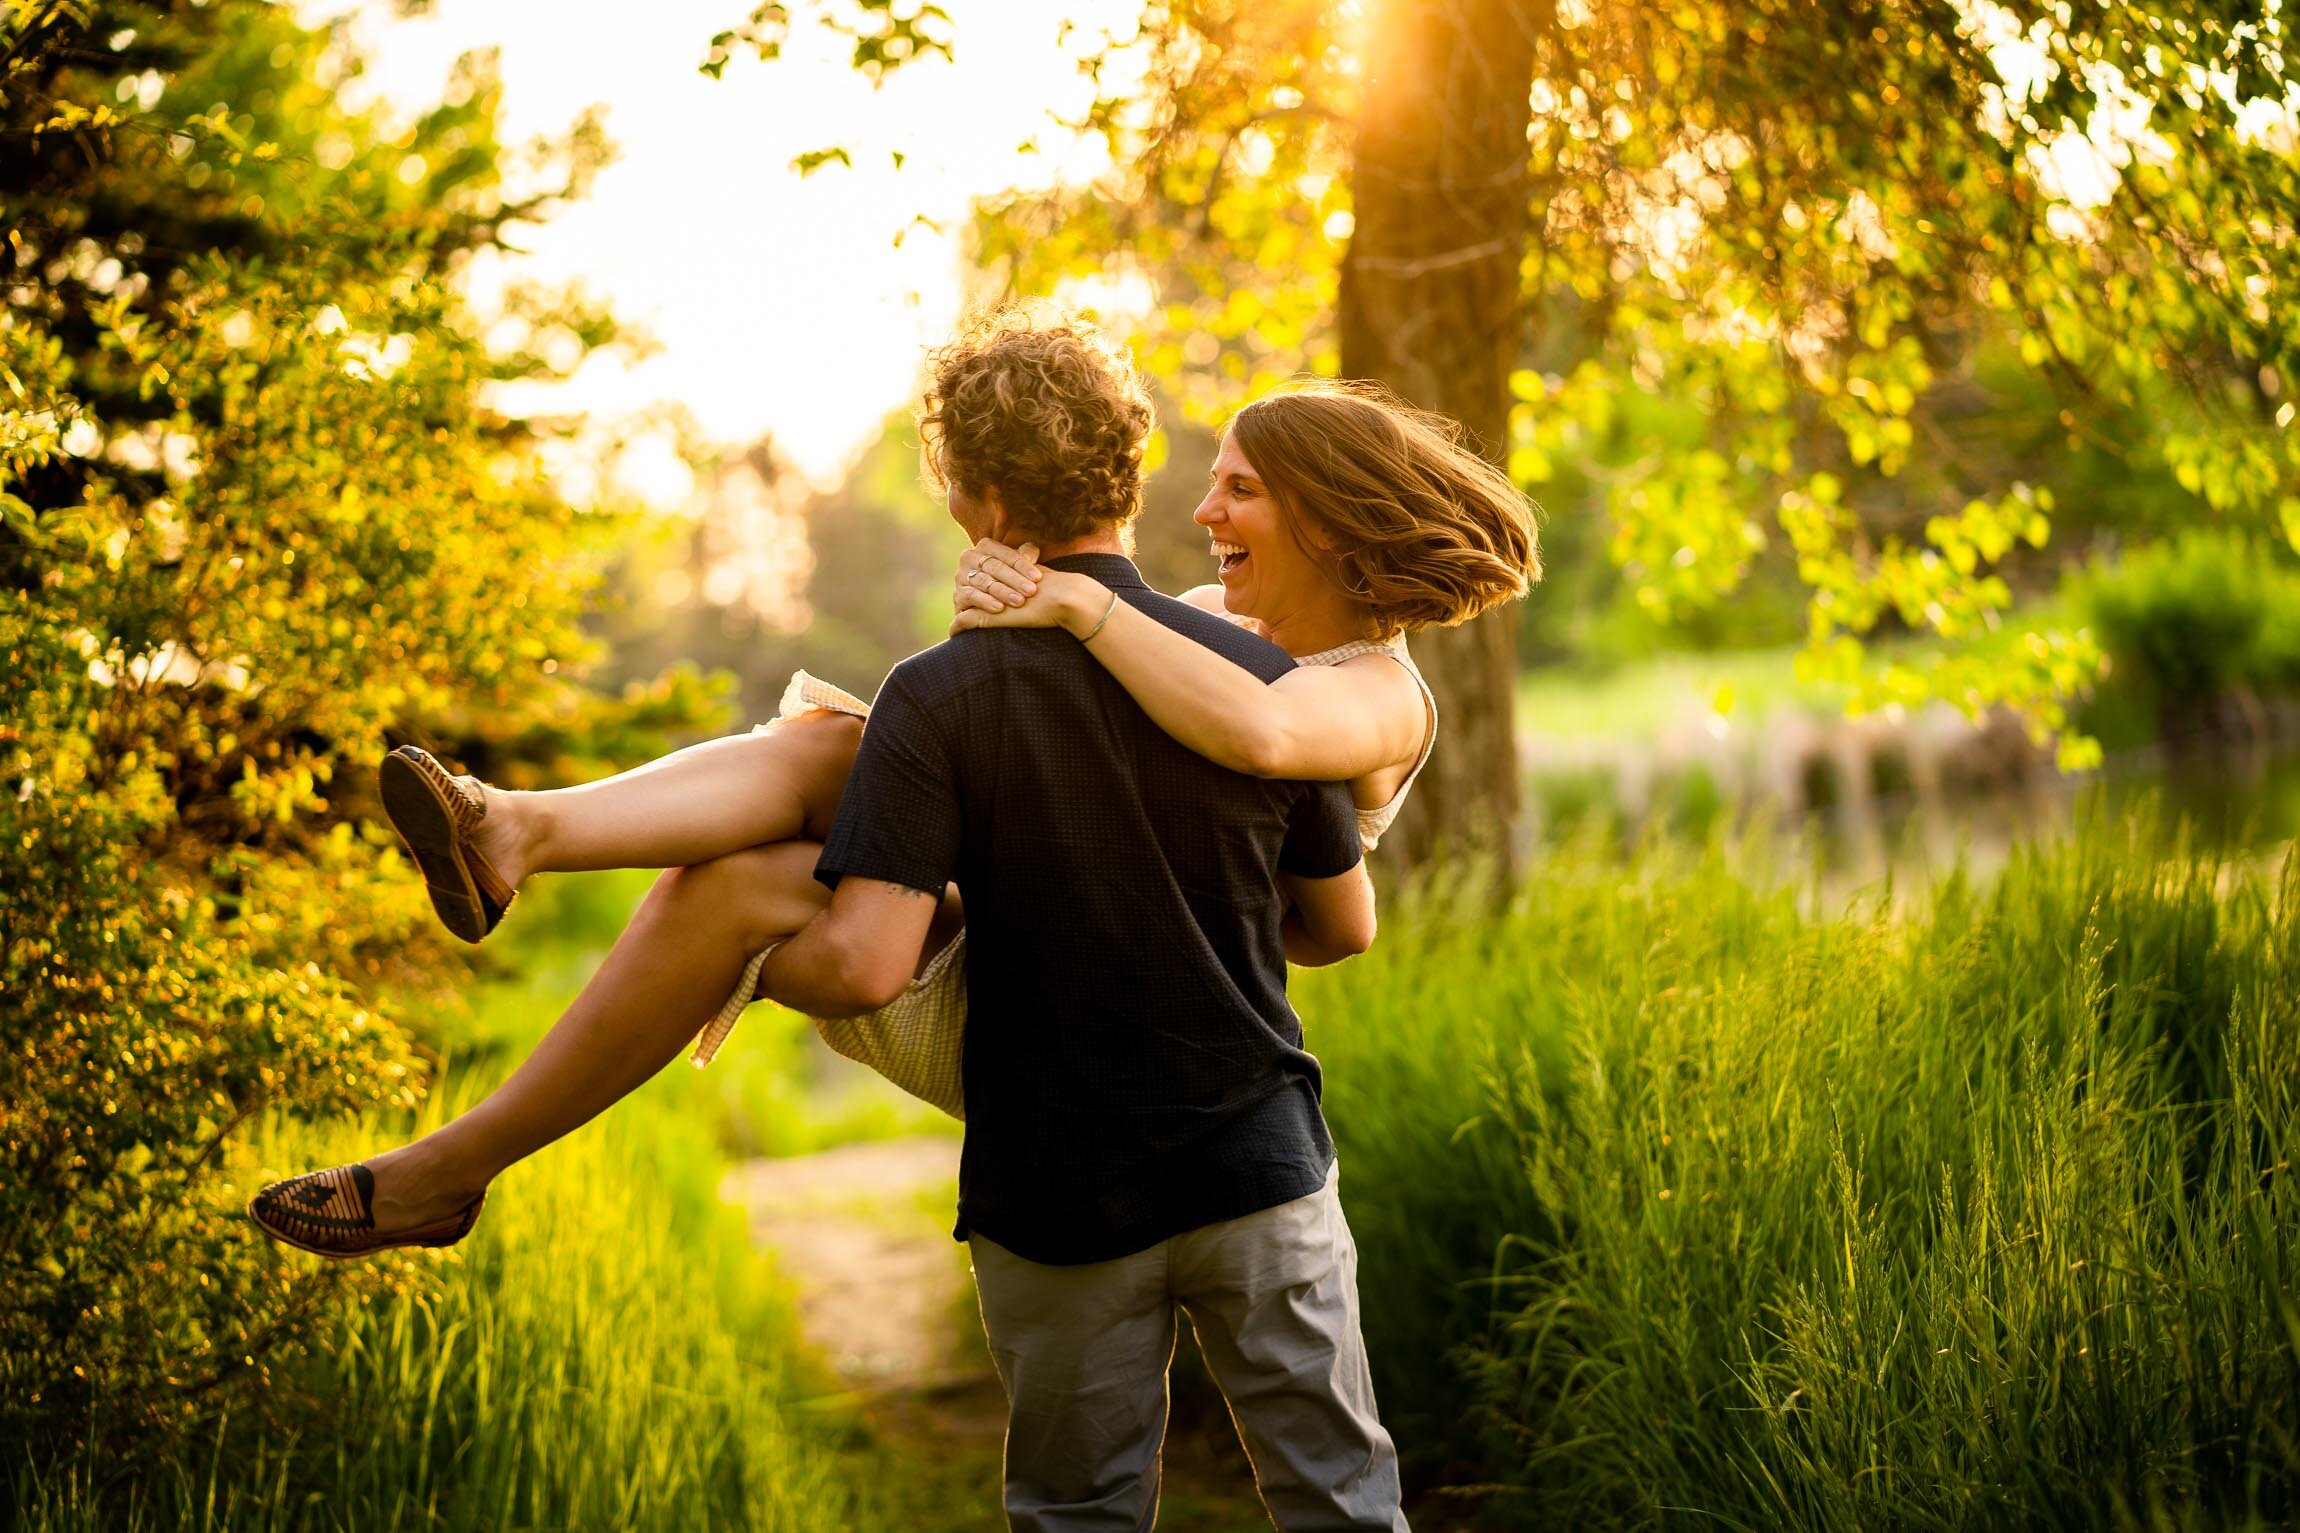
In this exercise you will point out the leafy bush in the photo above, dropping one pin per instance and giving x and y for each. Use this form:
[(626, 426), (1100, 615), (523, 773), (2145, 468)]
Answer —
[(254, 518), (2191, 624), (1672, 1204)]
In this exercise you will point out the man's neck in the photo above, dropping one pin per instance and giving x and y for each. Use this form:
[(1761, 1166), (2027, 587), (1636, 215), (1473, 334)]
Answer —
[(1097, 543)]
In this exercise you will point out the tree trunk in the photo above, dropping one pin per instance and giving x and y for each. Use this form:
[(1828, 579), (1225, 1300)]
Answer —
[(1430, 305)]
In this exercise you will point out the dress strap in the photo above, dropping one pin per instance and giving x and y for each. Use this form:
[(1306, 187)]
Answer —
[(1372, 823), (1394, 647)]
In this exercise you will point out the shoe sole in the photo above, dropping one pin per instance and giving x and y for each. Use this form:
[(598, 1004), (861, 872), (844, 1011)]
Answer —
[(416, 809)]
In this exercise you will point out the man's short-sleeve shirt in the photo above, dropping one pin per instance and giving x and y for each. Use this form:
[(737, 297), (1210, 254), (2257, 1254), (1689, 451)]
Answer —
[(1132, 1067)]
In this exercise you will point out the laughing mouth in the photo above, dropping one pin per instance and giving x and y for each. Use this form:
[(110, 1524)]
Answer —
[(1230, 555)]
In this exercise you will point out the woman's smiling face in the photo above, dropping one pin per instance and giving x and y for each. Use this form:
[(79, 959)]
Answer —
[(1265, 573)]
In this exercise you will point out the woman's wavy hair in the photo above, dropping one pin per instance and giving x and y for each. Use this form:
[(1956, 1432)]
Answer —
[(1045, 409), (1391, 502)]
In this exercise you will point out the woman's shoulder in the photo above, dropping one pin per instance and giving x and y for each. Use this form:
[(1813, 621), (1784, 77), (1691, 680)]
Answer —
[(1236, 639), (1384, 669), (1206, 598)]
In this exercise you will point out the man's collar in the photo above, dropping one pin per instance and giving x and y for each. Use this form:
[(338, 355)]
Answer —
[(1113, 570)]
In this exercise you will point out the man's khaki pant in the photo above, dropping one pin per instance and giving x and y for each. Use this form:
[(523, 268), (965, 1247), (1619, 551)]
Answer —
[(1083, 1352)]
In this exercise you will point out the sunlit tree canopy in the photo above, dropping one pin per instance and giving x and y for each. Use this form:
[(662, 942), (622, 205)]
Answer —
[(1822, 237)]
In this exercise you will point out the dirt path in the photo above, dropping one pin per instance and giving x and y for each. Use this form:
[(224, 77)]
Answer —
[(877, 1274), (863, 1234)]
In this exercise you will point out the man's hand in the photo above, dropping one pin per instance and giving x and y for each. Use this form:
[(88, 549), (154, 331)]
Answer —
[(858, 955)]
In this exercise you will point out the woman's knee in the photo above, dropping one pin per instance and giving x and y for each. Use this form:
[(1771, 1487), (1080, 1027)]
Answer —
[(753, 897), (819, 753)]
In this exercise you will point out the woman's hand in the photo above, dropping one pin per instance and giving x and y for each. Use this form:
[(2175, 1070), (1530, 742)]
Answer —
[(992, 576), (1001, 587)]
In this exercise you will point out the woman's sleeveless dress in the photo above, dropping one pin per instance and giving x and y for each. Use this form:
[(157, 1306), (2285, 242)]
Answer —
[(916, 1040)]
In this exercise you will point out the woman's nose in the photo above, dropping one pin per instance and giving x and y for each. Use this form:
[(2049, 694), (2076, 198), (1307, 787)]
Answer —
[(1205, 514)]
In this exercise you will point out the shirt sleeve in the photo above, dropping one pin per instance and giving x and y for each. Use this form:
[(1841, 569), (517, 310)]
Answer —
[(1321, 833), (899, 819)]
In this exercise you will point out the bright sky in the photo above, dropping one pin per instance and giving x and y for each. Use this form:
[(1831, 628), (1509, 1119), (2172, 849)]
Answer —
[(782, 304)]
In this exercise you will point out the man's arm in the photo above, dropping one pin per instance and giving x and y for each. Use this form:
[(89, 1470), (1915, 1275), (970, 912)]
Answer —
[(895, 838), (1322, 872), (1329, 919), (857, 955)]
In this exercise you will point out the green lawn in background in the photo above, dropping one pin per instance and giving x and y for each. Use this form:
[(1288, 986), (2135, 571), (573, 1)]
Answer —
[(1637, 701)]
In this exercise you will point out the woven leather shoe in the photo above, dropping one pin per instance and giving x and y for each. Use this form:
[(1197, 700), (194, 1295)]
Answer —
[(437, 814), (331, 1213)]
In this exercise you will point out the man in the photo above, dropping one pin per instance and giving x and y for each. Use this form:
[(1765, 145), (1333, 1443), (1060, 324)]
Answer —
[(1143, 1130)]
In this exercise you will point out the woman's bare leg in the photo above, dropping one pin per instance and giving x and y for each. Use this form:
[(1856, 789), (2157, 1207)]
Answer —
[(685, 808), (666, 976)]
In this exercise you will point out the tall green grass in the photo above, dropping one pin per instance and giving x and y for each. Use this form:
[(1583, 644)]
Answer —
[(1678, 1209), (1675, 1206), (606, 1351)]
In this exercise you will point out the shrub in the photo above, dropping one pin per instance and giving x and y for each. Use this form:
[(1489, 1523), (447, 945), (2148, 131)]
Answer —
[(253, 518), (2190, 624)]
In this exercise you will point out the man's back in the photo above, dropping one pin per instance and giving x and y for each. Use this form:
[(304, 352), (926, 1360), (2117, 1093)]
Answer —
[(1132, 1068)]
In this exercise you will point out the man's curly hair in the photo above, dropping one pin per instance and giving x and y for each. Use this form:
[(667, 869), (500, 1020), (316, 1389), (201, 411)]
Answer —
[(1046, 410)]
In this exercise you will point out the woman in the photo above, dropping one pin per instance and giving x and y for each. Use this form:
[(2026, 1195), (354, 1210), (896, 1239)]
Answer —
[(1340, 519)]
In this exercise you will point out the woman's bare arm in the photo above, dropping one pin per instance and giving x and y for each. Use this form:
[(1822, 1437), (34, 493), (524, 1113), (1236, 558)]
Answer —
[(1317, 723)]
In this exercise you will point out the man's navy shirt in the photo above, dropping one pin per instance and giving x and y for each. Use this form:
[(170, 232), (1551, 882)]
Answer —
[(1132, 1068)]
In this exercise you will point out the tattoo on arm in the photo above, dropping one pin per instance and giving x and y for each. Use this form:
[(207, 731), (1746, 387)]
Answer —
[(891, 887)]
